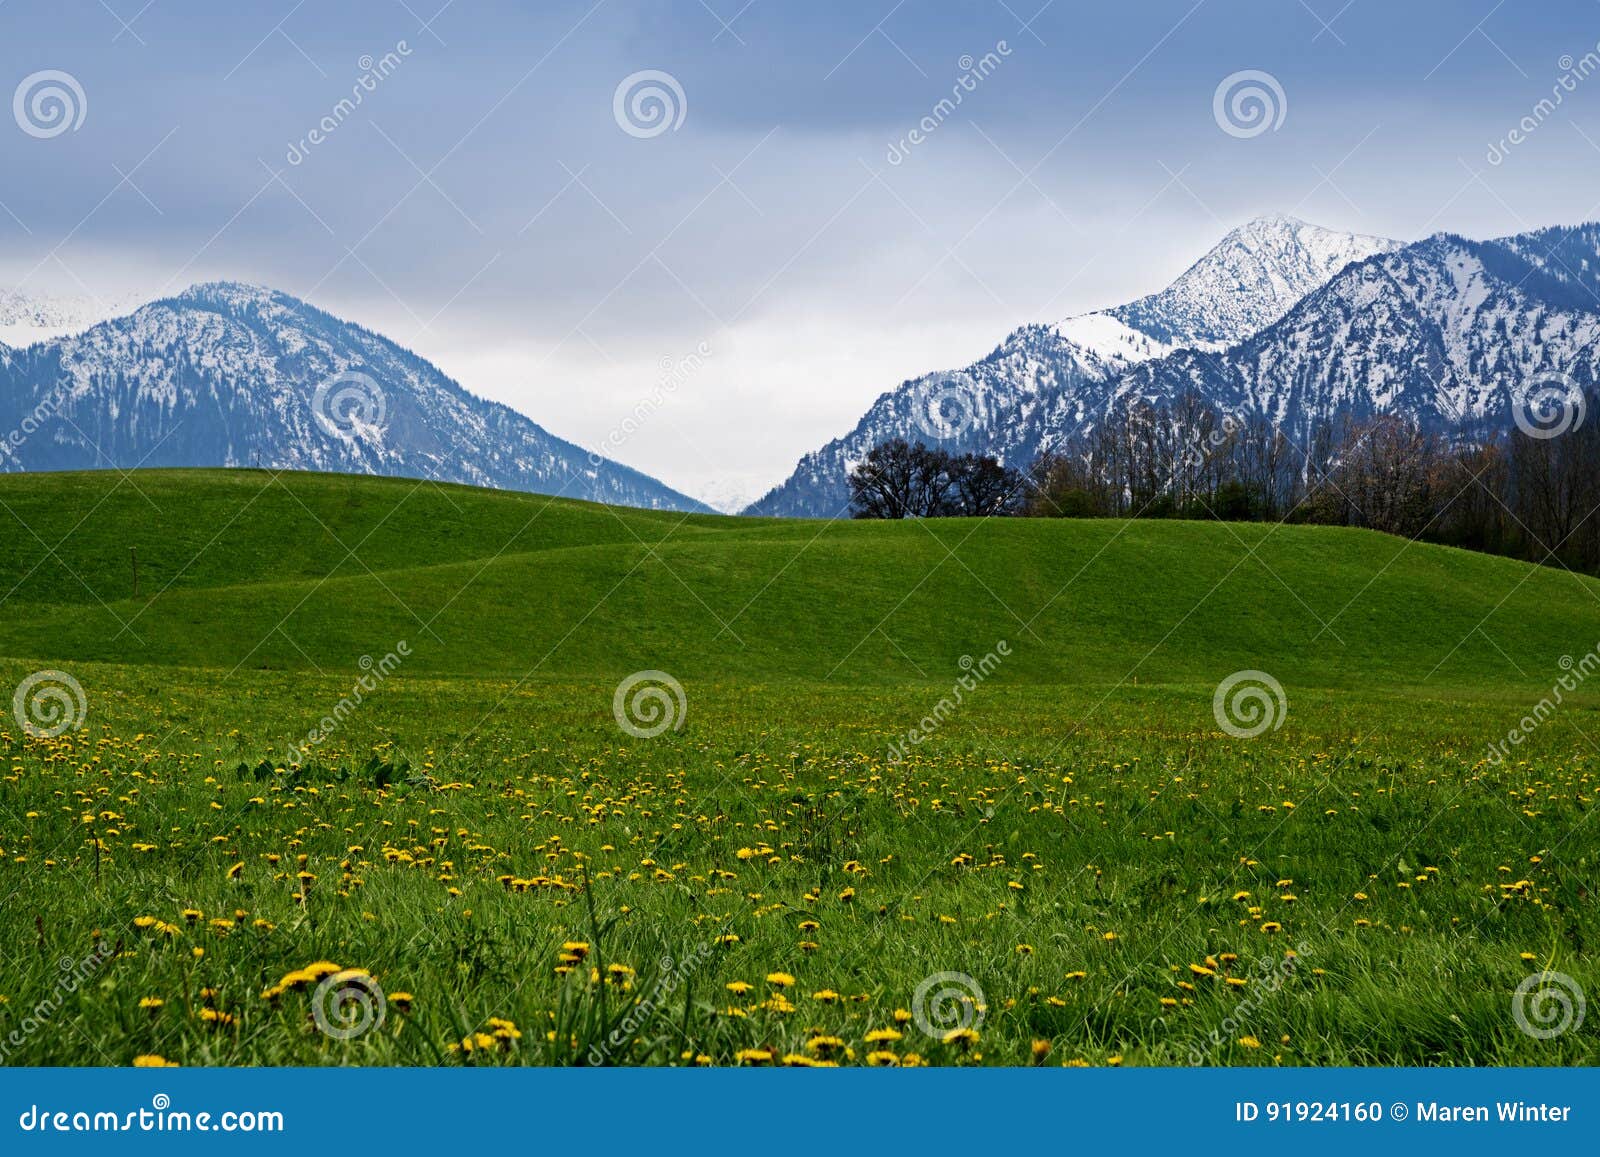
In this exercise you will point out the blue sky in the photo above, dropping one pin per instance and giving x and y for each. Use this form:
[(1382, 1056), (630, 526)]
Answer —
[(483, 206)]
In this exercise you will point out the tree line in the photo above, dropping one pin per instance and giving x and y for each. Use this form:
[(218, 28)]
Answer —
[(900, 479), (1511, 492)]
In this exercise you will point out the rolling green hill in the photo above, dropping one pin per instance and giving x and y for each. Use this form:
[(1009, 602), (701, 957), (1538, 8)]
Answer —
[(301, 571), (1108, 868)]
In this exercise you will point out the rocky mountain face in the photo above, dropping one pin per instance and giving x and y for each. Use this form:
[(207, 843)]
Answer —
[(235, 375), (1451, 333), (1042, 382), (1281, 320)]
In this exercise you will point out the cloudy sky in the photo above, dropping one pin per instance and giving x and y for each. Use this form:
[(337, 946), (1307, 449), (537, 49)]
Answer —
[(490, 204)]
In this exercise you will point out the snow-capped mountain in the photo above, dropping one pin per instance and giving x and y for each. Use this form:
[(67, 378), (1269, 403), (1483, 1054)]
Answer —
[(1447, 332), (29, 318), (235, 375), (1253, 276), (1043, 379)]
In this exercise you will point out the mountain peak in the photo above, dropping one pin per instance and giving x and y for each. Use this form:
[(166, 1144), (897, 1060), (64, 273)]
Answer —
[(1270, 227), (1042, 379), (1450, 333), (1274, 222), (228, 373), (232, 293), (1247, 281)]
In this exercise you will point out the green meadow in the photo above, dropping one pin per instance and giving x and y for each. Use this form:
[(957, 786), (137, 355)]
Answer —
[(348, 779)]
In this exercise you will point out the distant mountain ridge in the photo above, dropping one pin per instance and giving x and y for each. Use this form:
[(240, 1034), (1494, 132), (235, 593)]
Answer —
[(1450, 333), (1281, 319), (1043, 379), (227, 374), (29, 318)]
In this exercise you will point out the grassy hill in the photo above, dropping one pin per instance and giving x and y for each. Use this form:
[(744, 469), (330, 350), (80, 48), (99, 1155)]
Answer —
[(1100, 869), (300, 571)]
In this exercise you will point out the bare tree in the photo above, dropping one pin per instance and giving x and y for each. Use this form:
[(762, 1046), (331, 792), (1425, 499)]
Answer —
[(900, 479), (982, 487), (885, 484)]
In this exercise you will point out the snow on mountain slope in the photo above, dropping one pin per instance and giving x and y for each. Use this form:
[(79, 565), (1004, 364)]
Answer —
[(235, 375), (977, 408), (29, 318), (1447, 332), (1251, 278), (1565, 255), (1043, 380), (1115, 343)]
